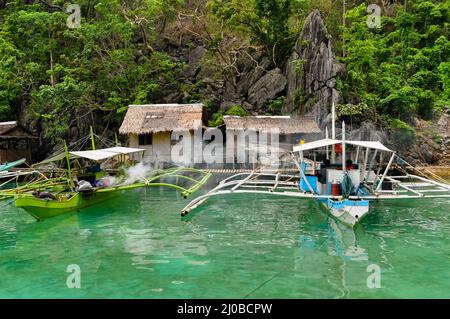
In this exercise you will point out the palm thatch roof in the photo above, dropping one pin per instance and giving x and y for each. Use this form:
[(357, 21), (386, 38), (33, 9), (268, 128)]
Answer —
[(6, 126), (285, 124), (153, 118), (12, 130)]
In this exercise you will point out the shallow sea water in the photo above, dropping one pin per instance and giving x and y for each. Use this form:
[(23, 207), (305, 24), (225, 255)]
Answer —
[(241, 246)]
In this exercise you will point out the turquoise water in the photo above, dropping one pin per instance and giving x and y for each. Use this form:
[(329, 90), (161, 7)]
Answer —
[(137, 246)]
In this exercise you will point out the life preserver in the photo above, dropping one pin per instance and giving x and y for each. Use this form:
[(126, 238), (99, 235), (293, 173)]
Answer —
[(338, 148)]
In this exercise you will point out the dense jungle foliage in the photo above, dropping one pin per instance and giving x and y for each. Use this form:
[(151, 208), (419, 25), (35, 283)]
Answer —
[(55, 76)]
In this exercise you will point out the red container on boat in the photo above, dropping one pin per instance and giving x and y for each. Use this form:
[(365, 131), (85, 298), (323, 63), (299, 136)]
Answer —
[(335, 188)]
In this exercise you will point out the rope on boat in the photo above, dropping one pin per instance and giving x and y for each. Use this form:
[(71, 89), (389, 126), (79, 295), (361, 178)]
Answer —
[(436, 177)]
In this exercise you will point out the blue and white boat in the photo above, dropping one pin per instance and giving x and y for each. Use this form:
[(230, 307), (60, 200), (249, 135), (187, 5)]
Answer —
[(344, 176)]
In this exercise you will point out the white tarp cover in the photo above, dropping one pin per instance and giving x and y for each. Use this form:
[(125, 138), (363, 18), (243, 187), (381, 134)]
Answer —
[(316, 144), (329, 142), (100, 155), (97, 155), (371, 145), (124, 150)]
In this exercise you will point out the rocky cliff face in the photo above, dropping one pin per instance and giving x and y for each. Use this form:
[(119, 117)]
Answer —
[(308, 80), (432, 145), (252, 82), (267, 87), (444, 137), (312, 71)]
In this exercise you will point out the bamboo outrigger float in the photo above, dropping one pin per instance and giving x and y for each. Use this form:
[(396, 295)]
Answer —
[(345, 187)]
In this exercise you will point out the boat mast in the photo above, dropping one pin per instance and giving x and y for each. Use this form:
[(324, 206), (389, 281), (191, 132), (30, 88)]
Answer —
[(69, 171), (333, 132), (92, 139), (328, 148), (372, 161), (357, 154), (344, 168)]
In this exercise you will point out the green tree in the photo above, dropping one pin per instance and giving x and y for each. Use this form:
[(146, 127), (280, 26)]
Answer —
[(399, 69), (65, 77), (265, 21)]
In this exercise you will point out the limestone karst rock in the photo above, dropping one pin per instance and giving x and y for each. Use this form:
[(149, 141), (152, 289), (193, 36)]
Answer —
[(312, 71), (267, 87)]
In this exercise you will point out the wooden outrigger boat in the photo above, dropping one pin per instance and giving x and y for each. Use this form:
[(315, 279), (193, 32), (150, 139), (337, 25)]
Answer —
[(20, 181), (70, 200), (345, 187), (75, 196)]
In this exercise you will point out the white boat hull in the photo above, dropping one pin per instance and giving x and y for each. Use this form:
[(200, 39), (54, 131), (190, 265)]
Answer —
[(347, 212)]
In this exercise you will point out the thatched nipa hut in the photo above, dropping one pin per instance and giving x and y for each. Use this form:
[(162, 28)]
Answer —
[(150, 126), (291, 130), (15, 142)]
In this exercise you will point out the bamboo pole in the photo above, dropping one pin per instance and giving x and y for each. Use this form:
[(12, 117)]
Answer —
[(92, 139)]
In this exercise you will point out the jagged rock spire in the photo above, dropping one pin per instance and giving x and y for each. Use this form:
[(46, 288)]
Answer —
[(312, 70)]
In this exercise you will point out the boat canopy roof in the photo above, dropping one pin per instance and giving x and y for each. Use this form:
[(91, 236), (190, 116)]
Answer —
[(328, 142), (96, 155), (103, 154), (369, 144), (124, 150), (315, 145)]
